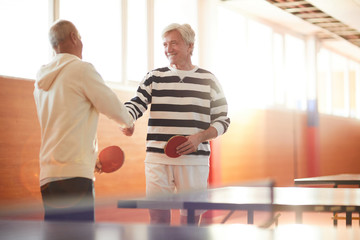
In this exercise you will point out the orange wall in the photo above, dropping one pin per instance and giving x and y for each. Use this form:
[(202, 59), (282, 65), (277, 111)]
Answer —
[(340, 145), (259, 144), (275, 144), (20, 143)]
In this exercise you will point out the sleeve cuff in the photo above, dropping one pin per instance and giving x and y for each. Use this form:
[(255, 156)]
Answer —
[(219, 128)]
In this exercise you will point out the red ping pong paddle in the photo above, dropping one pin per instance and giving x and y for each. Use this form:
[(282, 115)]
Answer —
[(111, 159), (172, 144)]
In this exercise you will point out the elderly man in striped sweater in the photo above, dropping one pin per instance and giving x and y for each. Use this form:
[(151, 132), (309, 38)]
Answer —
[(185, 100)]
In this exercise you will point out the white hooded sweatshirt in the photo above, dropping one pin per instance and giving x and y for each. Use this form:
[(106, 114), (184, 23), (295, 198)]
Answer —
[(69, 95)]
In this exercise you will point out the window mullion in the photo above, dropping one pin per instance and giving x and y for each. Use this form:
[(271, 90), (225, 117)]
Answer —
[(124, 23), (150, 33)]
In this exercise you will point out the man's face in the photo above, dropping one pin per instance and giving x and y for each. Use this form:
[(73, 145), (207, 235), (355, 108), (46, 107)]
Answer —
[(176, 50)]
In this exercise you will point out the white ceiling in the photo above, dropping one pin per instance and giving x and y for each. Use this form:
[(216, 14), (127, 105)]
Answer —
[(346, 11)]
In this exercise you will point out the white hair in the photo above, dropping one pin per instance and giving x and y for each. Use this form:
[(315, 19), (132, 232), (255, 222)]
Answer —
[(185, 30), (59, 31)]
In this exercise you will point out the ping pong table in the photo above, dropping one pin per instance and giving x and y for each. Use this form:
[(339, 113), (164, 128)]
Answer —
[(336, 180), (252, 199), (34, 230)]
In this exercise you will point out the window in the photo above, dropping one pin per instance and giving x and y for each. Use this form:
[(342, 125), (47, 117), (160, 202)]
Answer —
[(259, 67), (231, 55), (338, 84), (278, 66), (357, 91), (324, 81), (295, 72), (338, 78), (136, 41), (99, 24), (354, 103), (24, 44), (259, 64)]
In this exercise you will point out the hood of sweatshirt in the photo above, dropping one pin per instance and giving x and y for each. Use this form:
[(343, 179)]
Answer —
[(48, 73)]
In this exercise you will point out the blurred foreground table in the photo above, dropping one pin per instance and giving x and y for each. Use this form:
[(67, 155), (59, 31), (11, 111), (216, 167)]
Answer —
[(35, 230)]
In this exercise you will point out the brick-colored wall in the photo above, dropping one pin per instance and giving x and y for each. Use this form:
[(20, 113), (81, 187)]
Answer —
[(259, 144)]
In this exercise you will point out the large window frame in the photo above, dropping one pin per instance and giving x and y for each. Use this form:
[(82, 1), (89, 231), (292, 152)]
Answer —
[(268, 66), (329, 77), (337, 93), (338, 84)]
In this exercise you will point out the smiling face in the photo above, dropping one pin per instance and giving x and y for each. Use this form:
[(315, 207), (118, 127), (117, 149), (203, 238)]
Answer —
[(177, 51)]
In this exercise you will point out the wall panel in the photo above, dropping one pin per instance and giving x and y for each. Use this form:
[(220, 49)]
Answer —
[(259, 144)]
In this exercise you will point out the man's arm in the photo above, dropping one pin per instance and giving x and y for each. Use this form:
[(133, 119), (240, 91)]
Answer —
[(104, 99), (218, 126), (138, 104)]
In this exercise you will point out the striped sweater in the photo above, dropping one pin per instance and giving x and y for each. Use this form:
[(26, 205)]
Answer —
[(179, 106)]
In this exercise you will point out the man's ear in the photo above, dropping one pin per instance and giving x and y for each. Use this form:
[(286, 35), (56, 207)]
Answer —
[(191, 47), (73, 37)]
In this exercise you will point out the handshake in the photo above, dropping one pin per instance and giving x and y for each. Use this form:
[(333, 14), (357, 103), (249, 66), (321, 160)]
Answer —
[(128, 131)]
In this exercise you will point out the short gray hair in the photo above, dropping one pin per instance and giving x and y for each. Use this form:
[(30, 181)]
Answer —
[(59, 31), (185, 30)]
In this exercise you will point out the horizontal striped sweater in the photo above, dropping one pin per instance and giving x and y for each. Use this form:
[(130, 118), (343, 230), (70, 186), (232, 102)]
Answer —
[(179, 106)]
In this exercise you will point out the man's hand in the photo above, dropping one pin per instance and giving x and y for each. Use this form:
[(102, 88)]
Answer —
[(98, 166), (128, 131), (191, 145)]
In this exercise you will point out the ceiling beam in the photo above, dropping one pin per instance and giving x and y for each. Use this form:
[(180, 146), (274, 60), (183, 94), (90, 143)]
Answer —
[(315, 16)]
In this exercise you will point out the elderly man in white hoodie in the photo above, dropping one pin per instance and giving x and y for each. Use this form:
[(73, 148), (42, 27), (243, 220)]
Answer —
[(69, 95)]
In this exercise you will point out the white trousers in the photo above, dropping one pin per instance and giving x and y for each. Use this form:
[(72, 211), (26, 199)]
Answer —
[(162, 179)]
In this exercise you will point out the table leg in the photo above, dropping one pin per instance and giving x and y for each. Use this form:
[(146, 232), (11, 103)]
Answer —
[(335, 214), (250, 217), (335, 219), (298, 216), (348, 218), (190, 216)]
